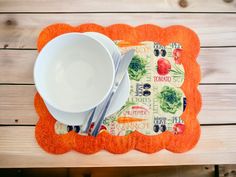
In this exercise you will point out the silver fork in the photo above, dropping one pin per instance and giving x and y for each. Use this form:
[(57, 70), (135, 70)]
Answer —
[(85, 128)]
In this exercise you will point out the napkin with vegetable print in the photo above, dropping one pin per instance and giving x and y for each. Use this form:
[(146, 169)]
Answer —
[(163, 103)]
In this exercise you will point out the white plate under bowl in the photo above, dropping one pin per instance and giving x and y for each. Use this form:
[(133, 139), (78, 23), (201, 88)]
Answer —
[(74, 72), (119, 98)]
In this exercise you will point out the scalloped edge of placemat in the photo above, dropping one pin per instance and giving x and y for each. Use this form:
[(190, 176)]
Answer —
[(58, 144)]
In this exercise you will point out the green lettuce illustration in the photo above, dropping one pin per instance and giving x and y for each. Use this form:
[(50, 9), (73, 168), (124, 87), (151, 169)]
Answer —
[(137, 68), (170, 99)]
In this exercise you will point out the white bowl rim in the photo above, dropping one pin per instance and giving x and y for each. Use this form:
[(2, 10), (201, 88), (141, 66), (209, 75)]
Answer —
[(81, 110)]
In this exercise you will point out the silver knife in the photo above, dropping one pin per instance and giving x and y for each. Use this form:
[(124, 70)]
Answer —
[(120, 72)]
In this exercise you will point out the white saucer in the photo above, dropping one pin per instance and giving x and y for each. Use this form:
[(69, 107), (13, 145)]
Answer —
[(119, 98)]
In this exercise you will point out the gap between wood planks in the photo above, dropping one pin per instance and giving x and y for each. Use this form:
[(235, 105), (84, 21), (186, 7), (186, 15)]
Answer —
[(18, 148), (21, 30), (217, 66), (174, 171), (202, 47), (118, 12), (5, 83), (17, 88), (32, 125), (17, 105)]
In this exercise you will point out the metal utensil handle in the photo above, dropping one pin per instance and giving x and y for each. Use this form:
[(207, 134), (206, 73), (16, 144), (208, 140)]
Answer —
[(87, 124), (101, 118), (89, 121)]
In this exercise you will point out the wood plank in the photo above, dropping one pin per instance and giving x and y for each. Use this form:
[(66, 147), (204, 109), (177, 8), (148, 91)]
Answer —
[(9, 172), (227, 170), (21, 30), (16, 104), (18, 148), (167, 171), (52, 172), (170, 171), (218, 65), (116, 6), (218, 104), (35, 172), (16, 66)]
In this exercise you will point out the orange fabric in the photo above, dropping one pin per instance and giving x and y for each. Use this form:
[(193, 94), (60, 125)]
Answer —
[(58, 144)]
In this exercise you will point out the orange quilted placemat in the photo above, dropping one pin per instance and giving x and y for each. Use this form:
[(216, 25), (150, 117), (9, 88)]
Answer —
[(126, 36)]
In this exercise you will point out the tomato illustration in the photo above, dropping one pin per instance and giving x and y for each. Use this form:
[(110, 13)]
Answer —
[(176, 55), (163, 66)]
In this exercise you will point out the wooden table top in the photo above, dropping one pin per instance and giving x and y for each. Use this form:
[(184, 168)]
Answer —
[(20, 24)]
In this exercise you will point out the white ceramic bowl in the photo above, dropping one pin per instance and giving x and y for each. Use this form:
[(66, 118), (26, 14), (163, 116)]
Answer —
[(74, 72), (119, 99)]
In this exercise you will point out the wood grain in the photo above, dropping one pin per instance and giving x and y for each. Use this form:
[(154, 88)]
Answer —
[(16, 104), (16, 66), (227, 170), (218, 104), (22, 30), (214, 22), (18, 148), (35, 172), (116, 6), (217, 65), (171, 171)]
